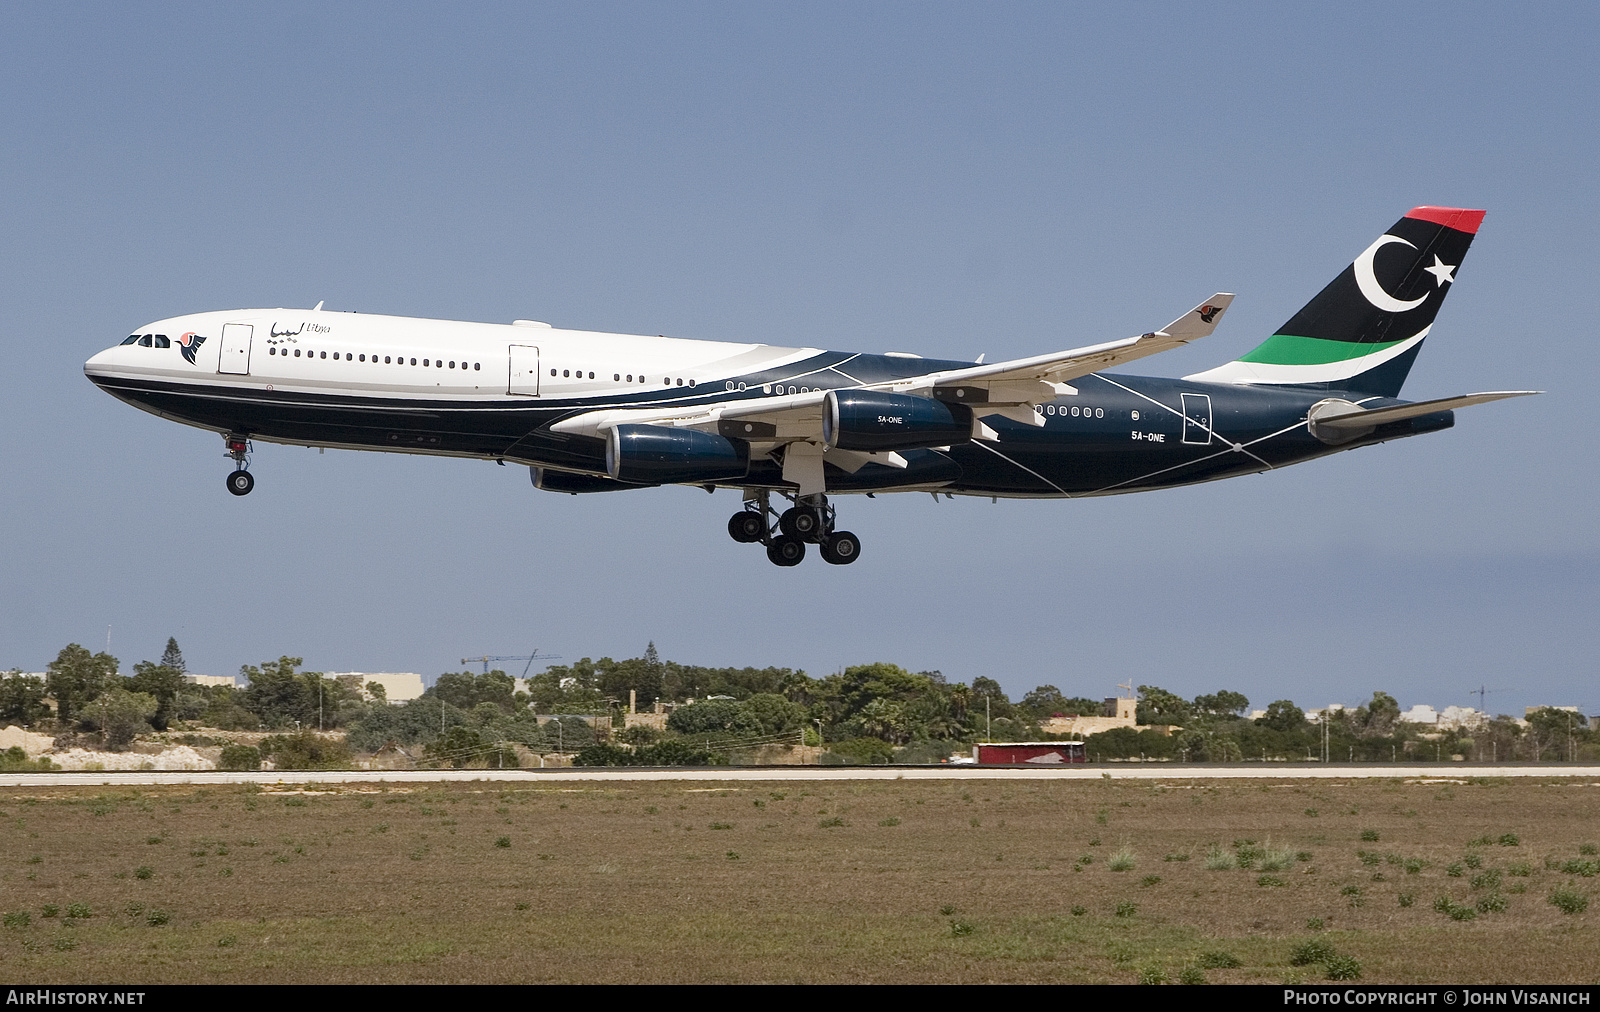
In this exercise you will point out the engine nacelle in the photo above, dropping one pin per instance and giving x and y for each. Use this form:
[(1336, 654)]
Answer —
[(871, 421), (547, 480), (662, 455)]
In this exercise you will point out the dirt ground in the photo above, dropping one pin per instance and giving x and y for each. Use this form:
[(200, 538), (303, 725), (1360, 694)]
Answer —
[(890, 882)]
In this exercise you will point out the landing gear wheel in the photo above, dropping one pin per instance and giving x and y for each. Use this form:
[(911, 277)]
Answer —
[(801, 523), (747, 527), (786, 551), (841, 549), (240, 483)]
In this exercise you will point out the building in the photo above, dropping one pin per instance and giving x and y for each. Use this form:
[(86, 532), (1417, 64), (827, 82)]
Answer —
[(231, 681), (398, 686)]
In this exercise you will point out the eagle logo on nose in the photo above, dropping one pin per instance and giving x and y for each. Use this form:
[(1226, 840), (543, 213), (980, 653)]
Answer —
[(189, 344)]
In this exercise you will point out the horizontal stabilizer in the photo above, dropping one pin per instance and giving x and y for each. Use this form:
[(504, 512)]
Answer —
[(1360, 418)]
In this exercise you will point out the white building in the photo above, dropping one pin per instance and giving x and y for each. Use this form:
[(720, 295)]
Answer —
[(398, 686), (231, 681)]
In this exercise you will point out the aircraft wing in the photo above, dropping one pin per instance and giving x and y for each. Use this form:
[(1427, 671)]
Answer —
[(1013, 388)]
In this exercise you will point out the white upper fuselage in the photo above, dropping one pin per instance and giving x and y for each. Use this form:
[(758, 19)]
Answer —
[(386, 356)]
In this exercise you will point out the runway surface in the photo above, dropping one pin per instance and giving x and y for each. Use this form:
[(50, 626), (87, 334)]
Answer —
[(757, 774)]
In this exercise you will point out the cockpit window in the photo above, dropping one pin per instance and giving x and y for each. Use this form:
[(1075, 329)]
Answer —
[(162, 342), (131, 339), (144, 342)]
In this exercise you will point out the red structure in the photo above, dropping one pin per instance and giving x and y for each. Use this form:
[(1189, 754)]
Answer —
[(1029, 753)]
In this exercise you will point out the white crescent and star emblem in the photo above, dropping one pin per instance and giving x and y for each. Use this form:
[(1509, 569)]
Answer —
[(1368, 281)]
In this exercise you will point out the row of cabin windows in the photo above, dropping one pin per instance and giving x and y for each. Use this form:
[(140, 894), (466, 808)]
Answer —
[(437, 363), (1051, 409), (148, 340), (616, 377)]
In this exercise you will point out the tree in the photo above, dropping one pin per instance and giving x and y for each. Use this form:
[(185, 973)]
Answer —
[(1223, 703), (277, 695), (1158, 706), (120, 715), (1044, 701), (172, 657), (76, 677), (162, 681), (21, 698), (713, 715), (305, 750), (378, 692), (1283, 715), (774, 713)]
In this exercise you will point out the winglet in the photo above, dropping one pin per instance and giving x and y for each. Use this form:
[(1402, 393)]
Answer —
[(1200, 321)]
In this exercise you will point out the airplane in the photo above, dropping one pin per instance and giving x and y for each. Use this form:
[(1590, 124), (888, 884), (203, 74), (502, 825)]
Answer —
[(591, 412)]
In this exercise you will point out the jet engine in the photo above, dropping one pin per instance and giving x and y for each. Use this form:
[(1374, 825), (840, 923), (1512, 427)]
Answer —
[(547, 480), (660, 454), (871, 421)]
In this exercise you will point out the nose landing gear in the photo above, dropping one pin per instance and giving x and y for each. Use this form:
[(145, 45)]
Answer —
[(810, 520), (240, 482)]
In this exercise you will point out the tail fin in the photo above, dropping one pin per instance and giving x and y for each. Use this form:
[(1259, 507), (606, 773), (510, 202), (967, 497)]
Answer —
[(1363, 331)]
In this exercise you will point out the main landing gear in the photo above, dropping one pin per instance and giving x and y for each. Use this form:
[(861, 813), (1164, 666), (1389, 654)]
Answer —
[(240, 482), (809, 521)]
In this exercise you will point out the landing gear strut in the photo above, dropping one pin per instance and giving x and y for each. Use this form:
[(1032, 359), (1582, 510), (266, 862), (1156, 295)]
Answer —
[(240, 482), (809, 520)]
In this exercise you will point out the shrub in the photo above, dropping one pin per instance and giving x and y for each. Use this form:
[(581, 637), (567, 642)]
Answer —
[(1568, 900), (1487, 880), (1578, 866), (1079, 911), (239, 757), (1218, 859), (503, 841), (1122, 859), (156, 918), (960, 929), (1588, 848), (1126, 909), (1342, 968), (1406, 899), (78, 911), (1317, 950), (1493, 903), (1369, 836), (1152, 975), (18, 919), (1150, 880), (830, 823), (1218, 960), (1474, 861), (1509, 840), (1191, 974), (1270, 880), (1454, 870)]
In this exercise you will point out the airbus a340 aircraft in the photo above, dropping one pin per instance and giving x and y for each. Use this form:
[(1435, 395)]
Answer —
[(606, 412)]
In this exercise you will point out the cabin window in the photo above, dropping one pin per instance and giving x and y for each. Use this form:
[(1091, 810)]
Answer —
[(272, 351), (162, 342), (453, 364), (691, 382), (616, 377), (567, 373), (476, 366), (552, 372), (145, 341), (131, 339), (413, 361), (297, 353)]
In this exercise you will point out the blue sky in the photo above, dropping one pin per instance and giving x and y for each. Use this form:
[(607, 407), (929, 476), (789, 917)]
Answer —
[(940, 179)]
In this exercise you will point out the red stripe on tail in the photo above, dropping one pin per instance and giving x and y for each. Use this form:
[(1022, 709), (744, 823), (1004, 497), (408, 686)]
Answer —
[(1450, 217)]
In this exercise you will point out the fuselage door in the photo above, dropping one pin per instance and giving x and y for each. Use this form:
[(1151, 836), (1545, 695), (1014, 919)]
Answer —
[(235, 357), (524, 371), (1197, 419)]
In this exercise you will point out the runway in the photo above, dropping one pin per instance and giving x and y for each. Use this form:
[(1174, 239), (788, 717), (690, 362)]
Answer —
[(772, 774)]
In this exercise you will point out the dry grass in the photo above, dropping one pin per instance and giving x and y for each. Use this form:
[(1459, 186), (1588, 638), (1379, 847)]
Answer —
[(885, 882)]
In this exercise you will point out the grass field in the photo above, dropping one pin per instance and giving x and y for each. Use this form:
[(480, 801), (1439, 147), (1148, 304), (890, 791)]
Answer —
[(827, 882)]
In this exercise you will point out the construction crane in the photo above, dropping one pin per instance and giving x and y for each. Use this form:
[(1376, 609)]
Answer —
[(530, 658)]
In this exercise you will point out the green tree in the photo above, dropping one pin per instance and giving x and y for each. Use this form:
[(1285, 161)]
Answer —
[(1223, 703), (119, 715), (724, 716), (277, 695), (1283, 715), (21, 698), (172, 657), (76, 677), (1158, 706), (162, 681), (773, 713)]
